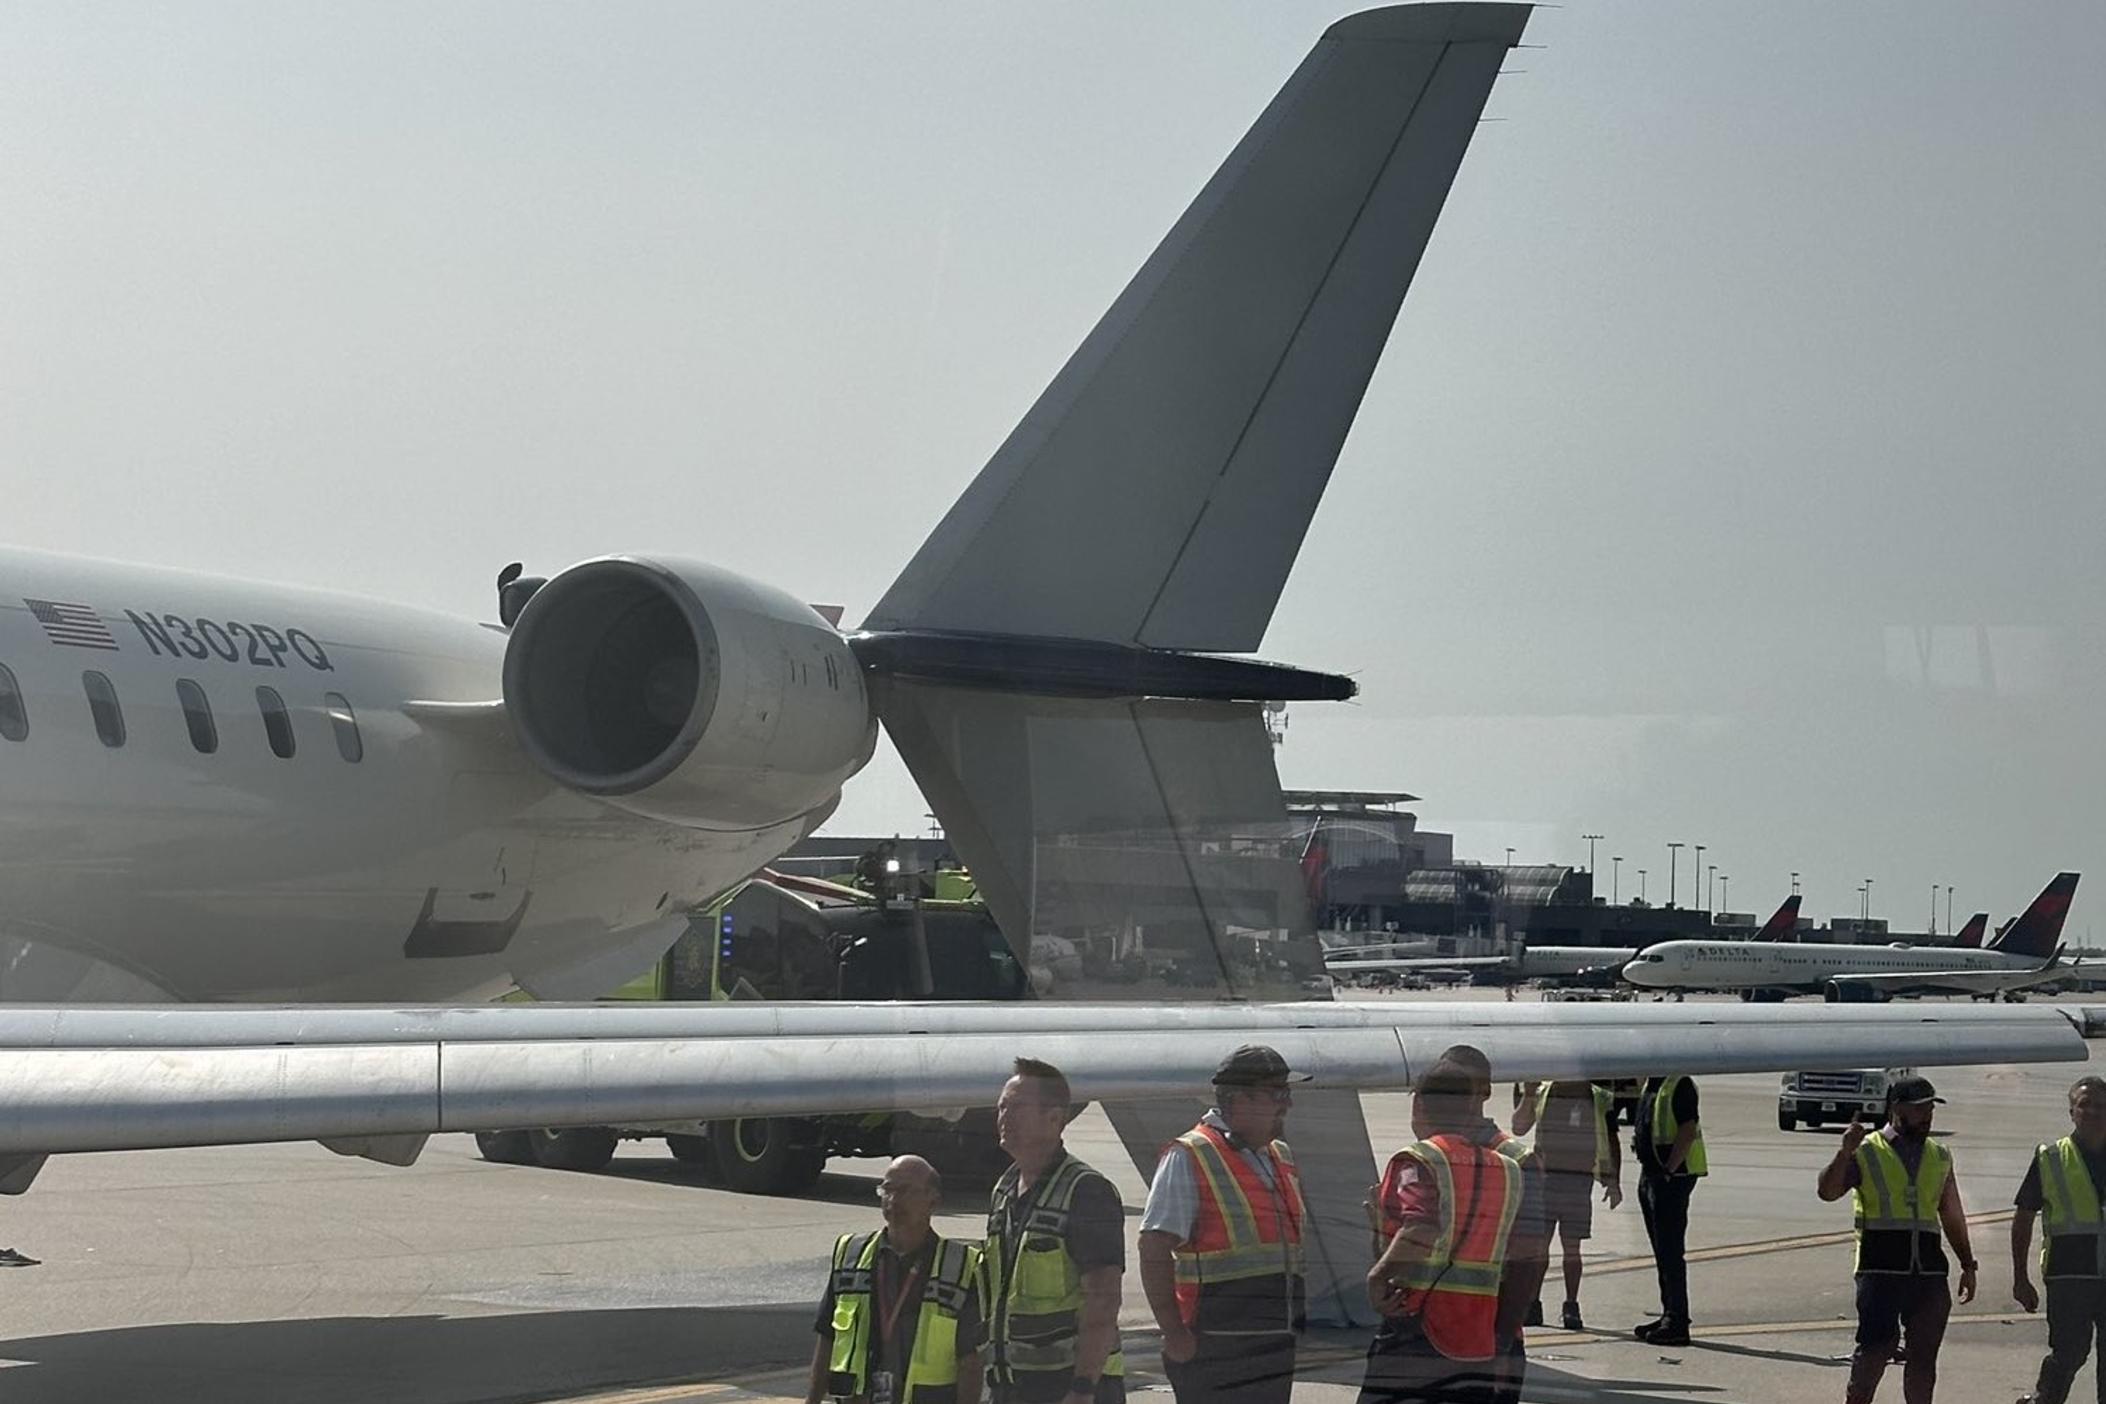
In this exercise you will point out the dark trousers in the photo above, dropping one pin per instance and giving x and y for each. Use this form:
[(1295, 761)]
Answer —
[(1235, 1370), (1891, 1307), (1664, 1200), (2076, 1314), (1513, 1369), (1404, 1368)]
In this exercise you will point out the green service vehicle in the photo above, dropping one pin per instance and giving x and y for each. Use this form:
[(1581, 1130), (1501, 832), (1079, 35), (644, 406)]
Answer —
[(918, 936)]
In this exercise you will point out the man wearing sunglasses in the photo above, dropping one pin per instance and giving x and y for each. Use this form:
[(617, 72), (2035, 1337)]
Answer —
[(1221, 1240)]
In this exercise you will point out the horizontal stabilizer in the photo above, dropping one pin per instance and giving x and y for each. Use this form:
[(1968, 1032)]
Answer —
[(1159, 489)]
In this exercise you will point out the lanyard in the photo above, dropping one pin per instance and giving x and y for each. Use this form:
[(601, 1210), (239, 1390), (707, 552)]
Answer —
[(891, 1304)]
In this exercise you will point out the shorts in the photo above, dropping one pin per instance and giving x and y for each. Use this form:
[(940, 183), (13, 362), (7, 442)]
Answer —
[(1568, 1204)]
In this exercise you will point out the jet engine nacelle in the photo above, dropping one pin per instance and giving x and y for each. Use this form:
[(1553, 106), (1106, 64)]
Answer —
[(686, 693)]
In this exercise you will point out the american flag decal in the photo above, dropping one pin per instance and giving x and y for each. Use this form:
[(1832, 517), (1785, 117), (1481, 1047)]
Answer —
[(75, 625)]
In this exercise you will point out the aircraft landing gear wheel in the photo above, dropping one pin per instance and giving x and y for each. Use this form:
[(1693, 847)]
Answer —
[(689, 1150), (573, 1148), (505, 1147), (1786, 1121), (760, 1155)]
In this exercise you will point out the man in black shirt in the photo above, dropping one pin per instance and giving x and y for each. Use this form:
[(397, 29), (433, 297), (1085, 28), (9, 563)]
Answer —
[(885, 1289), (1670, 1148), (2065, 1182), (1055, 1255)]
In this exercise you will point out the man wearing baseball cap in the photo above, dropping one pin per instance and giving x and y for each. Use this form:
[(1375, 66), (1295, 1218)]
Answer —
[(1221, 1240), (1906, 1192)]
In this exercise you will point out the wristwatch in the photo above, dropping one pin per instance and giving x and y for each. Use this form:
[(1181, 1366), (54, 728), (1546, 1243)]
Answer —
[(1082, 1388)]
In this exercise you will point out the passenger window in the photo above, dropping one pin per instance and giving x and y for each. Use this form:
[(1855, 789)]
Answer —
[(14, 713), (345, 723), (197, 715), (102, 701), (277, 722)]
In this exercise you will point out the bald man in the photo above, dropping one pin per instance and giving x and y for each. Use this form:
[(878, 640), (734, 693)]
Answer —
[(901, 1321)]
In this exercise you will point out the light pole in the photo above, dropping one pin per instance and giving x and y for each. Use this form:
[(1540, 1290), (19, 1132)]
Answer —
[(1591, 840), (1510, 857), (1711, 889), (1864, 901), (1795, 883), (1671, 872), (1948, 907), (1615, 879), (1934, 909), (1722, 881), (1641, 884), (1868, 901), (1697, 898)]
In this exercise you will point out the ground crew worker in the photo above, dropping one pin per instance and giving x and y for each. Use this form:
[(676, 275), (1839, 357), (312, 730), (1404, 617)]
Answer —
[(1529, 1248), (901, 1321), (1905, 1191), (1221, 1241), (1449, 1303), (1055, 1254), (1569, 1122), (2063, 1185), (1670, 1146)]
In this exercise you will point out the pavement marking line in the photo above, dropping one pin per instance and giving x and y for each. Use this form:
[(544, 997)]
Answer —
[(1774, 1328), (1771, 1245)]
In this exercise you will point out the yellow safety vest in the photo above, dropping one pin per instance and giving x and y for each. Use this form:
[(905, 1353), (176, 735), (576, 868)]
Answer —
[(1666, 1127), (932, 1370), (1603, 1104), (1897, 1213), (1037, 1306), (2075, 1229)]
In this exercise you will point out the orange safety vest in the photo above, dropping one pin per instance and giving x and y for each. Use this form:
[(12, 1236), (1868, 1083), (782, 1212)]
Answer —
[(1454, 1290), (1240, 1271)]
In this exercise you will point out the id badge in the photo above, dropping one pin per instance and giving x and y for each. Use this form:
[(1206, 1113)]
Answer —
[(881, 1387)]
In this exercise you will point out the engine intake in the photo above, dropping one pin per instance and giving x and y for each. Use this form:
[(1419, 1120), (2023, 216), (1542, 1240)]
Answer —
[(686, 693)]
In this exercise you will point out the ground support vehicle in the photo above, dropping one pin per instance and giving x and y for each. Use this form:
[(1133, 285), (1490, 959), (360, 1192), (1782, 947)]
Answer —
[(792, 938), (1832, 1098)]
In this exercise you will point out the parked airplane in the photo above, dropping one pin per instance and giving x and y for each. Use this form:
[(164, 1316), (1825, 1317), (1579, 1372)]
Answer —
[(1561, 964), (2026, 954), (1970, 937)]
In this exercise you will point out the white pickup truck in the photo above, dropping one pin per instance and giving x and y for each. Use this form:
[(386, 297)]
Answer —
[(1814, 1098)]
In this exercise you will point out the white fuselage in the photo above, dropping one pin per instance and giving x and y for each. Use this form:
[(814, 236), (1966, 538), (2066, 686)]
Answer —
[(1805, 966), (440, 864)]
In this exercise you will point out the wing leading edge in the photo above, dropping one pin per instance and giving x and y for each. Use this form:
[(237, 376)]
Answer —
[(141, 1078)]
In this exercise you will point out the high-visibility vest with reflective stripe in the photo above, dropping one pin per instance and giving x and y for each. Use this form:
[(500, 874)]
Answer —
[(1454, 1289), (2075, 1230), (1036, 1308), (1603, 1105), (932, 1369), (1897, 1213), (1666, 1126), (1240, 1271)]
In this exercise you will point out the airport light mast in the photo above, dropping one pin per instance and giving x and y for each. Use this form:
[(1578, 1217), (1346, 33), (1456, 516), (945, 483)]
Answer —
[(1641, 884), (1671, 854), (1697, 898), (1591, 839), (1722, 881), (1615, 879)]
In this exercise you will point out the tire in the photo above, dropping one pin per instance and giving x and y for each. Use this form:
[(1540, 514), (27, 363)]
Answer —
[(1786, 1121), (762, 1155), (505, 1147), (573, 1148), (689, 1150)]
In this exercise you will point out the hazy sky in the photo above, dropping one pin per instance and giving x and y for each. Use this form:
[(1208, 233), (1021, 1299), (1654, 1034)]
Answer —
[(1733, 476)]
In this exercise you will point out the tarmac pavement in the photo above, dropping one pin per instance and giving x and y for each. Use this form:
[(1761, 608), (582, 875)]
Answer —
[(288, 1275)]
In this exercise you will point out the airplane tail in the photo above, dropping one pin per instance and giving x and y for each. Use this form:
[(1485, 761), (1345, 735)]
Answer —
[(1048, 663), (2038, 929), (1783, 924), (1970, 937)]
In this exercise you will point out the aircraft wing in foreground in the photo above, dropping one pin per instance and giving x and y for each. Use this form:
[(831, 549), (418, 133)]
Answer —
[(137, 1077)]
